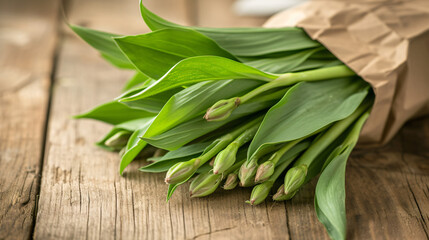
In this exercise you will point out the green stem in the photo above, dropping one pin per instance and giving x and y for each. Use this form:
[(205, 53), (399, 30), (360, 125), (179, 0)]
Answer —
[(225, 140), (234, 168), (280, 169), (279, 153), (246, 136), (292, 78)]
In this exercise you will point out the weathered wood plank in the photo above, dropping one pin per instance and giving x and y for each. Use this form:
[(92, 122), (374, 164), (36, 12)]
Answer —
[(387, 188), (28, 36)]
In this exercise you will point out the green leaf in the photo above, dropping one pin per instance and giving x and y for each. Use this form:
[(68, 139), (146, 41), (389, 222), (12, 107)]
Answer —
[(137, 80), (308, 107), (195, 100), (243, 41), (164, 165), (282, 64), (197, 127), (156, 52), (330, 190), (114, 113), (198, 69), (259, 41), (154, 103), (182, 154), (130, 126), (104, 43), (316, 63), (330, 204), (134, 146)]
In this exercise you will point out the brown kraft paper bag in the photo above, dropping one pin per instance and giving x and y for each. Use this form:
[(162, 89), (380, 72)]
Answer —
[(385, 42)]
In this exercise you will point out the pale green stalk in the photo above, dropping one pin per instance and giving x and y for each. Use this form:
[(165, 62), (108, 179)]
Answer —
[(288, 79), (222, 109)]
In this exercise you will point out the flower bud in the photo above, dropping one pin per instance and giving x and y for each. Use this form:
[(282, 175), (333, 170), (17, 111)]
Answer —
[(222, 109), (118, 140), (181, 171), (225, 159), (265, 170), (260, 193), (281, 195), (205, 184), (231, 181), (294, 178), (247, 173)]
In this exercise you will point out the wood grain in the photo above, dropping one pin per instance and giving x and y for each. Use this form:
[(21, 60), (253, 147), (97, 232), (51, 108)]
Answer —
[(28, 37)]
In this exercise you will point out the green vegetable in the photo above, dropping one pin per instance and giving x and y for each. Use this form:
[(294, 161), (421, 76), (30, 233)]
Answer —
[(165, 48), (240, 105)]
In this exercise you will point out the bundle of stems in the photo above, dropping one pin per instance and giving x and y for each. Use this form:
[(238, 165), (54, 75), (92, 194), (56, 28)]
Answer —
[(239, 106)]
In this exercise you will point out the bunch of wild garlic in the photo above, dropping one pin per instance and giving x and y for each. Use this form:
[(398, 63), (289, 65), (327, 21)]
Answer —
[(235, 106)]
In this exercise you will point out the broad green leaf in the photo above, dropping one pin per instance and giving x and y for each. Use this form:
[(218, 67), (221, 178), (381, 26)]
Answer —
[(130, 126), (198, 69), (243, 41), (186, 151), (104, 43), (114, 113), (154, 103), (316, 63), (259, 41), (137, 80), (197, 127), (308, 107), (330, 190), (282, 64), (156, 52), (332, 199), (195, 100), (134, 146), (325, 54)]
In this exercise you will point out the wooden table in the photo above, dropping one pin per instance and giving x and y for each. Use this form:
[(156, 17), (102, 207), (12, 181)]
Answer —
[(55, 184)]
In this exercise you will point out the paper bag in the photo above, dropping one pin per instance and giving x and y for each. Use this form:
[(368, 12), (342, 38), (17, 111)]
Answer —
[(386, 42)]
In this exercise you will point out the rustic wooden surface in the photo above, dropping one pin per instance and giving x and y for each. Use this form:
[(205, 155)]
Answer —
[(82, 195), (28, 39)]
